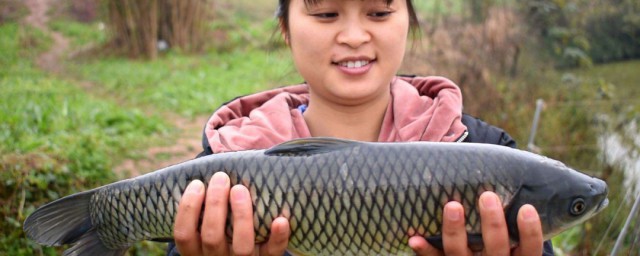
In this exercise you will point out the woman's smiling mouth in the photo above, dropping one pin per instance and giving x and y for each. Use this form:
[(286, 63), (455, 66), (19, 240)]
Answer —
[(354, 67), (354, 64)]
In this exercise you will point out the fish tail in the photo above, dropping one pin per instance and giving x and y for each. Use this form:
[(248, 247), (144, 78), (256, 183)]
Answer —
[(68, 221)]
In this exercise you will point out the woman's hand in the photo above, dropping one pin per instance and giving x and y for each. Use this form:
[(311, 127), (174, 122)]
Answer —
[(211, 239), (495, 235)]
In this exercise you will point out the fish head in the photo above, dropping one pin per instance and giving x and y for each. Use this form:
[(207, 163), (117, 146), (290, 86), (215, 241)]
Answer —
[(563, 198)]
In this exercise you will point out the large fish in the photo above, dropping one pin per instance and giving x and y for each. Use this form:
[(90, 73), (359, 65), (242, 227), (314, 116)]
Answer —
[(343, 197)]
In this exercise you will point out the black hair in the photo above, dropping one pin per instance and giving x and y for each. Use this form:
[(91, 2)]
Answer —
[(282, 13)]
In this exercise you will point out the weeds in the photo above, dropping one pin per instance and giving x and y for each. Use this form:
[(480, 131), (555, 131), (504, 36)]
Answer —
[(55, 139)]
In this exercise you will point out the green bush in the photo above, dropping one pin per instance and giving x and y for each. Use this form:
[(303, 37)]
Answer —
[(615, 35), (578, 32)]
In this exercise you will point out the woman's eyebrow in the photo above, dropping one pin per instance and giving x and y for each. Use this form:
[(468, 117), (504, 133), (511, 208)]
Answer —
[(310, 3)]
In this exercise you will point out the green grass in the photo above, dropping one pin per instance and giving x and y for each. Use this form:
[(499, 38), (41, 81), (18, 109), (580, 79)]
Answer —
[(189, 85), (55, 139), (19, 44), (619, 78), (81, 33), (193, 84)]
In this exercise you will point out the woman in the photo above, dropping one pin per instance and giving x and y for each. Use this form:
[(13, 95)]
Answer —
[(348, 52)]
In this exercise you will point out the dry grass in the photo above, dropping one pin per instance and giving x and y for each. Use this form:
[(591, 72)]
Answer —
[(471, 55)]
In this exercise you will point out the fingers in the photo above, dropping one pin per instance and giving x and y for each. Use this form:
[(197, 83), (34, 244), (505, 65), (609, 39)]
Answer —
[(494, 226), (421, 247), (530, 230), (242, 214), (495, 234), (214, 241), (454, 233), (185, 231), (212, 238), (279, 238)]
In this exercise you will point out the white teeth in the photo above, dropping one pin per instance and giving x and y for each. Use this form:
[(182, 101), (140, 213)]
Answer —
[(354, 64)]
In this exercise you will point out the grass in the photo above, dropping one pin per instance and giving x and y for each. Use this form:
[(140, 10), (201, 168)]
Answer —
[(55, 139), (189, 85), (81, 34), (619, 79), (17, 46)]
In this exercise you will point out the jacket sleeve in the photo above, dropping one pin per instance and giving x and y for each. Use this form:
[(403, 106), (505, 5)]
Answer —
[(481, 132)]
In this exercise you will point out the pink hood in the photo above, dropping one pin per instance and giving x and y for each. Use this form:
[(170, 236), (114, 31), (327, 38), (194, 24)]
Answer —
[(421, 109)]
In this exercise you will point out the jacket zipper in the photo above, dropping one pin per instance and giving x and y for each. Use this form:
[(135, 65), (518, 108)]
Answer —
[(463, 136)]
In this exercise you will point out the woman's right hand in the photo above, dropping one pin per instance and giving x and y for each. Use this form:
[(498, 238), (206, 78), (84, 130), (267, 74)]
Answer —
[(211, 239)]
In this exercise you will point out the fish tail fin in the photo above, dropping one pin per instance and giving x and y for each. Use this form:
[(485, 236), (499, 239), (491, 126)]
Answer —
[(67, 221)]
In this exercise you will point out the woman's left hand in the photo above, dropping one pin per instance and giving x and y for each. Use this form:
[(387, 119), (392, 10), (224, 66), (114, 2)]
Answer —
[(495, 235)]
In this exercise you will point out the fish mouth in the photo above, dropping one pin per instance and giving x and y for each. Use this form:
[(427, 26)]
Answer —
[(602, 205), (604, 191)]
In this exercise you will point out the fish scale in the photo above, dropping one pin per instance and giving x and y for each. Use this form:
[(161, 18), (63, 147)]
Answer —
[(361, 223), (341, 197)]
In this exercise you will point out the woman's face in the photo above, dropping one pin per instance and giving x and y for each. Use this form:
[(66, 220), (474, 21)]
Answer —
[(348, 51)]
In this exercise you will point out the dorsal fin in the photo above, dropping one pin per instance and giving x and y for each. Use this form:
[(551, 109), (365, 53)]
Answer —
[(308, 146)]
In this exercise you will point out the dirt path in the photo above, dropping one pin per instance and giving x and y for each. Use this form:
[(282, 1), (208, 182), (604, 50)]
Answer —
[(50, 60), (187, 143)]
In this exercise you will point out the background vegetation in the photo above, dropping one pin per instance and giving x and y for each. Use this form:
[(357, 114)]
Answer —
[(64, 132)]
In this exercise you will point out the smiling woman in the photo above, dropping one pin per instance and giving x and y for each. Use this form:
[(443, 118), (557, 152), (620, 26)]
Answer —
[(348, 52), (337, 35)]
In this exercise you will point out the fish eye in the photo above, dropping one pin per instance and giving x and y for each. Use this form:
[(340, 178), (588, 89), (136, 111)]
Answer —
[(578, 206)]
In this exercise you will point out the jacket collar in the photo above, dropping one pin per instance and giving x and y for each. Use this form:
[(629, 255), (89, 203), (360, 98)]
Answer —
[(421, 109)]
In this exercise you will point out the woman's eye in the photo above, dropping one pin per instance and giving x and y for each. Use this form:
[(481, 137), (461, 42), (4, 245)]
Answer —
[(380, 14), (328, 15)]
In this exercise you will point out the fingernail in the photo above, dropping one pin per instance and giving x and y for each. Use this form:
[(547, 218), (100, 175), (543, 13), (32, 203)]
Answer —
[(219, 179), (452, 214), (195, 187), (415, 243), (489, 201), (529, 213), (239, 195)]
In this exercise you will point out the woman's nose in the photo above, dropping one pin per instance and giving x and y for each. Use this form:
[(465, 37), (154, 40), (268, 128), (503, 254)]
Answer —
[(353, 33)]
